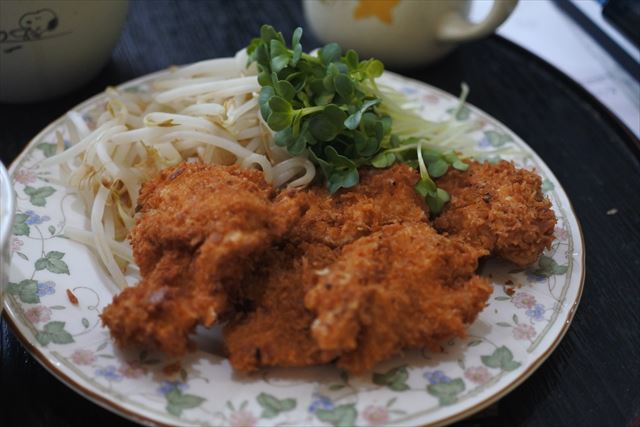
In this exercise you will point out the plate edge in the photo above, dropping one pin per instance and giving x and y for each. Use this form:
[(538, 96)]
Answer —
[(116, 408)]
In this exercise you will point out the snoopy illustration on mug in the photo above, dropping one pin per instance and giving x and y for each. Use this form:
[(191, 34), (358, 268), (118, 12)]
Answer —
[(32, 26), (48, 47)]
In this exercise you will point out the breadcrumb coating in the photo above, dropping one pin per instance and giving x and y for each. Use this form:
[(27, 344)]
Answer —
[(304, 277), (498, 208)]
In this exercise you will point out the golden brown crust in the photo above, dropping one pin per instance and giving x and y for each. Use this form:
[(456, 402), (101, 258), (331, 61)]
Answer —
[(199, 230), (305, 277), (383, 196), (186, 204), (404, 286), (500, 209), (276, 332)]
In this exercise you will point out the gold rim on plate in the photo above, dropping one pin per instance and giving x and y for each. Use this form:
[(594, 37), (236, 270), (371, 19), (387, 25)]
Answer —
[(119, 409)]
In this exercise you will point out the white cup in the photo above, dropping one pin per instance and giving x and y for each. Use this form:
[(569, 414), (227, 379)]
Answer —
[(401, 32), (50, 47)]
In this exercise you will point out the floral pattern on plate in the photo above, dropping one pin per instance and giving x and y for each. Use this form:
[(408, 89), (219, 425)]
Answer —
[(58, 288)]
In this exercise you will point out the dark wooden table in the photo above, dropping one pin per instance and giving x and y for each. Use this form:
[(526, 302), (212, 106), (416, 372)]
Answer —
[(593, 377)]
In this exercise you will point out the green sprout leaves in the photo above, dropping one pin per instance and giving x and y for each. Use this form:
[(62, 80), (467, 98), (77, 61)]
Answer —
[(354, 119), (326, 125), (281, 113), (320, 104), (326, 106)]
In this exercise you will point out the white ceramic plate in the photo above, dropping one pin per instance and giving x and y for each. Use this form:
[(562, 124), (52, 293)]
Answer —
[(527, 316)]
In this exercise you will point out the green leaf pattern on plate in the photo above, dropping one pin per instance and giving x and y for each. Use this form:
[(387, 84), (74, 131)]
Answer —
[(497, 139), (20, 227), (395, 379), (447, 392), (340, 416), (26, 291), (53, 262), (178, 402), (47, 148), (54, 332), (501, 358), (547, 267), (38, 196), (272, 406), (68, 334)]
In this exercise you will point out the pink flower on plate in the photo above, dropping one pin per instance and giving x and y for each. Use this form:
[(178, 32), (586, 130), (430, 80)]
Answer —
[(132, 370), (376, 415), (524, 300), (561, 233), (522, 331), (24, 176), (38, 314), (482, 123), (431, 99), (83, 357), (16, 244), (242, 418), (478, 374)]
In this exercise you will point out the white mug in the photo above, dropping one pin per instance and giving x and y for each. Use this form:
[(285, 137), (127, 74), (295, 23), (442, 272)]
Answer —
[(401, 32), (50, 47)]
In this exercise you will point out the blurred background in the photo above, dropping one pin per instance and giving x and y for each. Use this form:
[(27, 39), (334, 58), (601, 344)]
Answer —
[(592, 41), (595, 42)]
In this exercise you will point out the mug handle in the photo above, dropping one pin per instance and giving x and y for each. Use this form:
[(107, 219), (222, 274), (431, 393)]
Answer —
[(456, 28)]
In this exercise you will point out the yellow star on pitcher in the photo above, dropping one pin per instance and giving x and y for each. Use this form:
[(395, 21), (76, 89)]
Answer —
[(381, 9)]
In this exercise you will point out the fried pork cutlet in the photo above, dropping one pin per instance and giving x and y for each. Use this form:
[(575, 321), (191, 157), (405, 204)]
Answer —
[(383, 196), (308, 277), (404, 286), (199, 231), (498, 208), (277, 331)]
